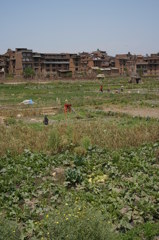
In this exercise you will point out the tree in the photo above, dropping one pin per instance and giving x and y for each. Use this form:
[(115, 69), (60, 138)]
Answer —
[(28, 72), (140, 72)]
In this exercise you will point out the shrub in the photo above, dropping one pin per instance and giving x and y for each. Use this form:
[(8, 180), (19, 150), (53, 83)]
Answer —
[(28, 72)]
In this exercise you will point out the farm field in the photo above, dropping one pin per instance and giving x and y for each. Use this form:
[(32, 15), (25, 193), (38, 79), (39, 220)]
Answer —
[(90, 174)]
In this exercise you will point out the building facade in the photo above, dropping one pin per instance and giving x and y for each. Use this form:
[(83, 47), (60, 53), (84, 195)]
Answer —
[(86, 64), (143, 65)]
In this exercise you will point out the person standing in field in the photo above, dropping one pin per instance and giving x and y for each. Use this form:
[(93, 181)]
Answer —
[(46, 120), (101, 88)]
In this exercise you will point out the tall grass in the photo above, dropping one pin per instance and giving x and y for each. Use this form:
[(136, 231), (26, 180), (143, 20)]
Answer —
[(59, 137)]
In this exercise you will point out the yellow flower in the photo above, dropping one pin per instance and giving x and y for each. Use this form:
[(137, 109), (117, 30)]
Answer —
[(57, 222), (47, 216)]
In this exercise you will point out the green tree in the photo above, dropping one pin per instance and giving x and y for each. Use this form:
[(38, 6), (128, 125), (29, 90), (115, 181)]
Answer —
[(28, 72), (140, 72)]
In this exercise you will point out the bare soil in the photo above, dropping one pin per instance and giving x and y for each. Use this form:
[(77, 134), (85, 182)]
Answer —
[(142, 112)]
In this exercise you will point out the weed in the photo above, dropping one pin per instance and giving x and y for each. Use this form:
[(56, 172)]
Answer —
[(54, 141), (86, 142)]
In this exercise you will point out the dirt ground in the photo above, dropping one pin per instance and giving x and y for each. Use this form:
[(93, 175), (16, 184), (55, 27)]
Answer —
[(142, 112)]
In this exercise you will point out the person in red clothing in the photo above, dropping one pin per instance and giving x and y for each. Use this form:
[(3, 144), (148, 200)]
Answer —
[(101, 88), (67, 106)]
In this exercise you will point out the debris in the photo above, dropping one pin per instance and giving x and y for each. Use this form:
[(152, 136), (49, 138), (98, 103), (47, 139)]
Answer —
[(28, 102), (19, 115)]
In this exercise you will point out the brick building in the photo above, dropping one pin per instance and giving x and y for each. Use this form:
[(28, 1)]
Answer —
[(44, 64), (144, 65), (51, 64), (74, 65)]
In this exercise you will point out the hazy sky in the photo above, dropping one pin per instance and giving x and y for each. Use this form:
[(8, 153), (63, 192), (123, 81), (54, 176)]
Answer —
[(117, 26)]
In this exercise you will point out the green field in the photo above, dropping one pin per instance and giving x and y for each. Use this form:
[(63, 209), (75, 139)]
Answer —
[(90, 174)]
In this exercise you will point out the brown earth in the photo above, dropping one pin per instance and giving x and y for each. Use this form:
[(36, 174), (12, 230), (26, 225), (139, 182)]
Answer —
[(142, 112)]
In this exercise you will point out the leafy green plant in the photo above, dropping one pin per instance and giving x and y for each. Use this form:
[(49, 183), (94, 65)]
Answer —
[(9, 230), (73, 176), (79, 160)]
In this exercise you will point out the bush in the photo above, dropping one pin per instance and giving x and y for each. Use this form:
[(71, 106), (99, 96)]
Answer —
[(28, 72)]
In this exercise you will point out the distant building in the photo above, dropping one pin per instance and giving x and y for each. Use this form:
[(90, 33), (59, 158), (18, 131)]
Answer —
[(152, 66), (143, 65), (76, 65), (53, 64)]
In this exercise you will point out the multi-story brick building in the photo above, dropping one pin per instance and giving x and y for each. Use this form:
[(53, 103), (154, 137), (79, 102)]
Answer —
[(67, 64), (128, 64), (125, 63), (51, 64), (44, 64), (152, 64)]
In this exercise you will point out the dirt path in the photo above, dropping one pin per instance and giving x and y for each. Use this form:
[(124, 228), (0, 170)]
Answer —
[(142, 112)]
